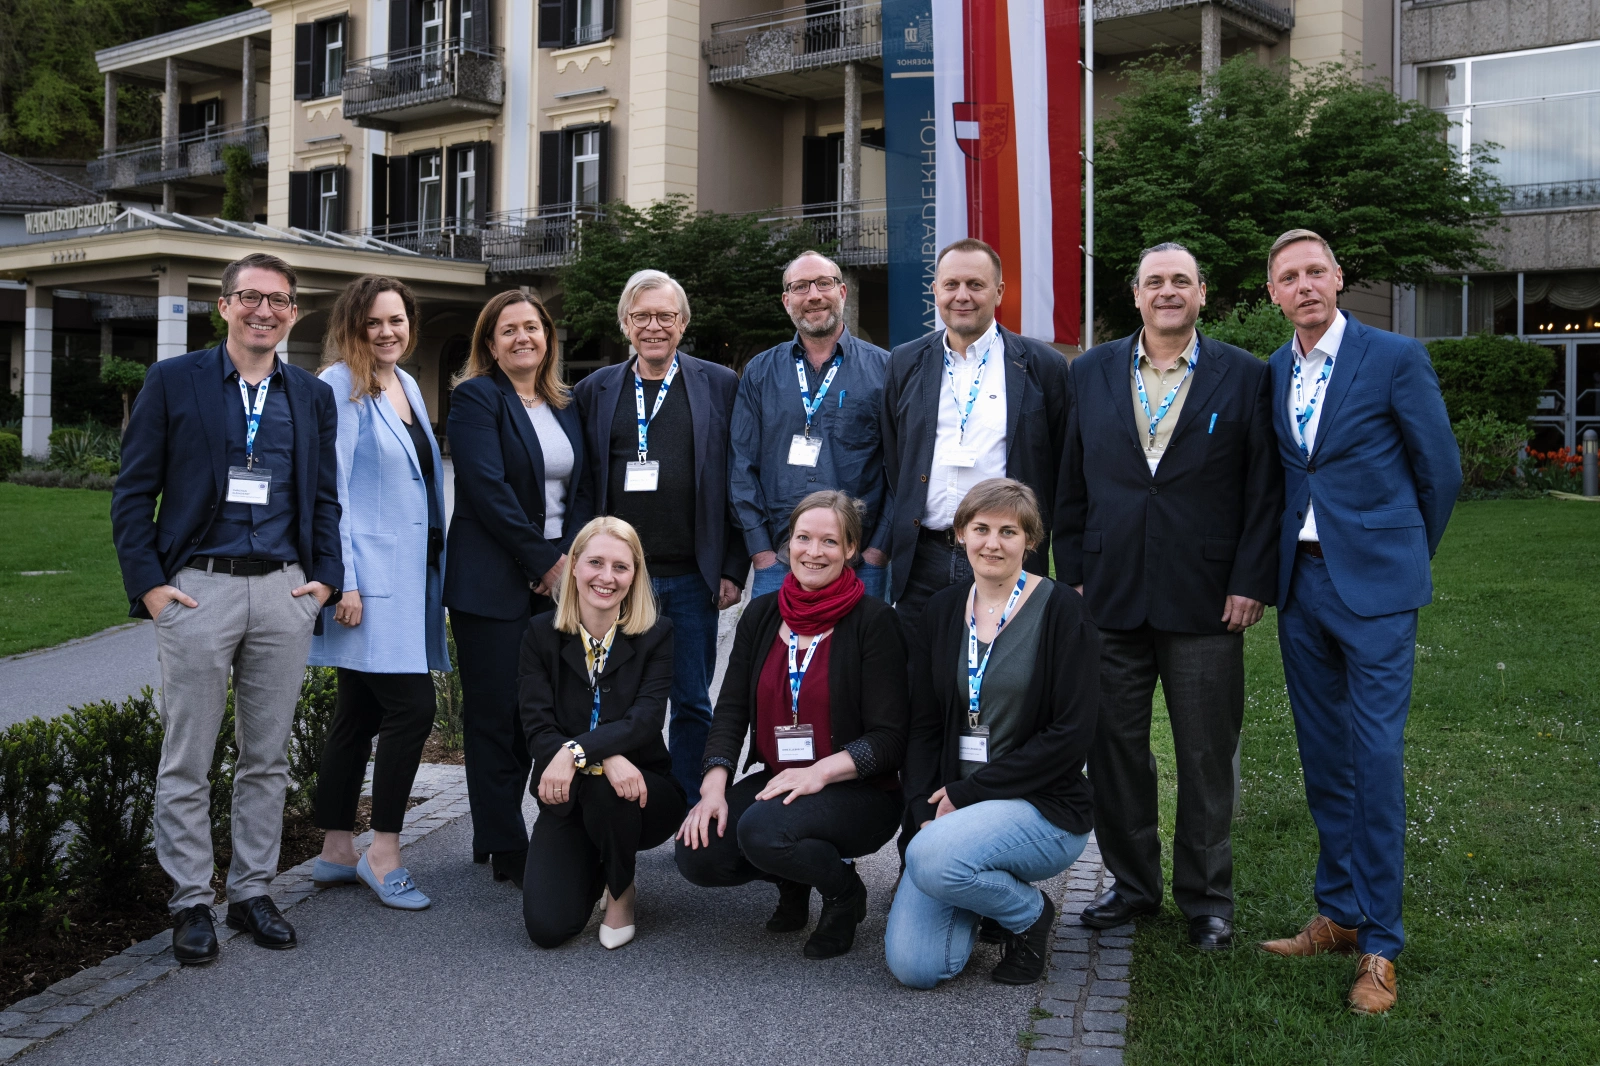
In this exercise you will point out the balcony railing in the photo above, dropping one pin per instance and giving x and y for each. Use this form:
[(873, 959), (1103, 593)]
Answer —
[(424, 82), (858, 232), (446, 238), (793, 40), (197, 154), (535, 239), (1552, 195)]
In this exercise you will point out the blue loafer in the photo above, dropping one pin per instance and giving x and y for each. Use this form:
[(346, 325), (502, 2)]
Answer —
[(396, 890), (325, 874)]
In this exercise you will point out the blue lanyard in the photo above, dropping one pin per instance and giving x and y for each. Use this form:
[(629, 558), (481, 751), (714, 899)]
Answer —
[(797, 674), (1307, 409), (252, 418), (972, 394), (811, 406), (1144, 400), (638, 403), (975, 668), (599, 652)]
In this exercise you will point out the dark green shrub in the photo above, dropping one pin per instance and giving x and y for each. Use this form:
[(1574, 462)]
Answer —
[(62, 479), (34, 814), (447, 701), (313, 714), (1489, 449), (10, 453), (72, 447), (1489, 374), (1258, 328), (112, 756)]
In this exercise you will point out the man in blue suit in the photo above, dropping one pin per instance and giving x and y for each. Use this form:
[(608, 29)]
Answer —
[(235, 568), (1371, 474)]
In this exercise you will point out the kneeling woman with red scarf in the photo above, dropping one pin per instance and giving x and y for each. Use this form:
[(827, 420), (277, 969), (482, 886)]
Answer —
[(817, 679)]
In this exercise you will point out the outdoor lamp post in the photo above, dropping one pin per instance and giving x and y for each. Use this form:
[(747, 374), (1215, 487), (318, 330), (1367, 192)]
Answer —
[(1591, 471)]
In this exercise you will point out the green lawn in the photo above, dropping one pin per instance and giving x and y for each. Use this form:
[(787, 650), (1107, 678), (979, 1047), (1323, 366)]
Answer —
[(1502, 908), (66, 530)]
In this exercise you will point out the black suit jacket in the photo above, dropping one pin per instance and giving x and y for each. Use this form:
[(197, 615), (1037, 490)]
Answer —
[(867, 700), (176, 450), (497, 532), (555, 699), (1036, 425), (1169, 548), (711, 387)]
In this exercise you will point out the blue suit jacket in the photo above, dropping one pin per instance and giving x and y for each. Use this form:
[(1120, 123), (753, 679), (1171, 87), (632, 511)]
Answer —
[(1384, 472), (497, 532), (386, 510), (711, 387), (176, 450)]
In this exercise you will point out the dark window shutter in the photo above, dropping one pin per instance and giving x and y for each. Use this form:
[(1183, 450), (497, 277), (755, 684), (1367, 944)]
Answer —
[(342, 177), (453, 20), (319, 62), (396, 213), (608, 18), (550, 168), (300, 199), (817, 170), (399, 24), (452, 167), (379, 181), (482, 23), (485, 165), (564, 188), (605, 162), (302, 61), (188, 118), (552, 32)]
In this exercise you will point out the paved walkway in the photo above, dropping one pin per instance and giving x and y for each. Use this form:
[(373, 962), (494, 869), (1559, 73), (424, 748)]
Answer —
[(110, 665)]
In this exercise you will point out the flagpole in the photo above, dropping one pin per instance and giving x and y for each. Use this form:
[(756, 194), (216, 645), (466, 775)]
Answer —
[(1087, 333)]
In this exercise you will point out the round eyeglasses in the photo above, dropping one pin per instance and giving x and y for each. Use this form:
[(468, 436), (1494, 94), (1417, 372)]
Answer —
[(278, 301)]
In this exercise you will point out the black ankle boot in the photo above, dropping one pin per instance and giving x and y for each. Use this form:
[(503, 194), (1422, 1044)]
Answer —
[(836, 926), (794, 908), (1027, 952)]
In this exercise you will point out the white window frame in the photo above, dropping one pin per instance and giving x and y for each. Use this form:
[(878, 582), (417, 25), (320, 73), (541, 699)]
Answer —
[(327, 197), (579, 158), (333, 56), (430, 178), (467, 186)]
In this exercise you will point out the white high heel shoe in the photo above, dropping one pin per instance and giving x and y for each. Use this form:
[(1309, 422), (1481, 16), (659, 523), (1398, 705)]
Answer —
[(612, 939)]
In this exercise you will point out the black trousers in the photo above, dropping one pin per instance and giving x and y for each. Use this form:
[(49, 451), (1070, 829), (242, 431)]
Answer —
[(496, 752), (1202, 677), (805, 841), (937, 564), (398, 710), (590, 843)]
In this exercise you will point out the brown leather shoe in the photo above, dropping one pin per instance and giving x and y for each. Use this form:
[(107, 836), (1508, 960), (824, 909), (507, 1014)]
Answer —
[(1374, 991), (1320, 936)]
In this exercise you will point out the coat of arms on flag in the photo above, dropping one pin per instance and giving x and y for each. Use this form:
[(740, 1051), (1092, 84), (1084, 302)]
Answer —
[(982, 129)]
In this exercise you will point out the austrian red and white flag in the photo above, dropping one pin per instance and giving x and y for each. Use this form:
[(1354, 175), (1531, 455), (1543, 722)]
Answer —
[(1008, 99)]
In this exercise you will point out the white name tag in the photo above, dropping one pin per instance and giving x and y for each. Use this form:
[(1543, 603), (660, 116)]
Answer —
[(804, 450), (247, 485), (973, 746), (642, 477), (795, 743), (958, 455)]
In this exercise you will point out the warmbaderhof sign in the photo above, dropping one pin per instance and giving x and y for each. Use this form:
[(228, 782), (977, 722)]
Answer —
[(65, 218)]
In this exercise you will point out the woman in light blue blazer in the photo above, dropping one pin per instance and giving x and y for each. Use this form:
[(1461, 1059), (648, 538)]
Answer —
[(391, 629)]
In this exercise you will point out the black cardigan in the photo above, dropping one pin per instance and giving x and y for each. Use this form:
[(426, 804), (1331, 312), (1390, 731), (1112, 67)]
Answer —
[(1064, 698), (868, 705), (553, 693)]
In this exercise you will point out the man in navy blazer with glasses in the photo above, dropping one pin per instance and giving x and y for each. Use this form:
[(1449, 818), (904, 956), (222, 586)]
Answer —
[(1371, 474)]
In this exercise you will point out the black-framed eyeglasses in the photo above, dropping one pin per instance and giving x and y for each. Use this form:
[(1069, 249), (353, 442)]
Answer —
[(823, 284), (642, 319), (278, 301)]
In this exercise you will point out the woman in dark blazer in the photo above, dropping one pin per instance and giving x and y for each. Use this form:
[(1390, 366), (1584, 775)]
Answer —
[(595, 676), (520, 490), (817, 681), (1005, 679)]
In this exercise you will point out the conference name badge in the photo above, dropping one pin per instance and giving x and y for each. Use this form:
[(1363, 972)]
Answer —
[(642, 476), (804, 450), (249, 484), (959, 455), (794, 743), (973, 744)]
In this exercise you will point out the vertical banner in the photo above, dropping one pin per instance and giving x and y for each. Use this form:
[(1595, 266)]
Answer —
[(1008, 121), (911, 175)]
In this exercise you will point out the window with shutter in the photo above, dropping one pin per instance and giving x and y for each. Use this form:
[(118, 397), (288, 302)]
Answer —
[(378, 182), (300, 199), (303, 61), (549, 168), (552, 24)]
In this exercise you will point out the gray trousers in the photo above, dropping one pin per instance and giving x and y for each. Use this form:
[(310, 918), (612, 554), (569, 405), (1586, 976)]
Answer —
[(253, 628), (1202, 677)]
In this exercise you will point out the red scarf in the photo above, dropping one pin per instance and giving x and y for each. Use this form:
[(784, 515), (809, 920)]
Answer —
[(812, 611)]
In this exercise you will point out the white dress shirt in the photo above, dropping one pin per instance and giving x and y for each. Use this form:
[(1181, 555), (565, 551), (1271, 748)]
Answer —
[(986, 427), (1310, 369)]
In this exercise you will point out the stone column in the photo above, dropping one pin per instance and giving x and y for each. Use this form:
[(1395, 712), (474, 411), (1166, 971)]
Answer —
[(850, 187), (105, 341), (1210, 41), (169, 134), (109, 143), (37, 350), (247, 111), (172, 313)]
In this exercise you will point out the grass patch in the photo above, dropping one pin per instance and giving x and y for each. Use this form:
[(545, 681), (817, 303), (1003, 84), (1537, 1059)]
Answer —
[(65, 530), (1502, 906)]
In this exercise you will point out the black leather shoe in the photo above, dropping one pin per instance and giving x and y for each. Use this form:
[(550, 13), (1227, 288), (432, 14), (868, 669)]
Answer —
[(1026, 952), (1210, 933), (991, 931), (194, 935), (259, 917), (1111, 910), (836, 925), (794, 908), (508, 866)]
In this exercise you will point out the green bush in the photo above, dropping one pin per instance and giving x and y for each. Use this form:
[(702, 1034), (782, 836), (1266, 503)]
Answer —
[(112, 754), (1258, 328), (1489, 449), (72, 447), (10, 453), (448, 701), (62, 479), (1489, 374), (313, 714), (31, 807)]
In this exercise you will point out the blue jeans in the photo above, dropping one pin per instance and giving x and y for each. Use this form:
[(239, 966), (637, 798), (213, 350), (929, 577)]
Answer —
[(688, 603), (977, 862), (1349, 682), (876, 578)]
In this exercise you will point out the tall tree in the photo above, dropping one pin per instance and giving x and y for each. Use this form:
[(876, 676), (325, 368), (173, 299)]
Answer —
[(1265, 149)]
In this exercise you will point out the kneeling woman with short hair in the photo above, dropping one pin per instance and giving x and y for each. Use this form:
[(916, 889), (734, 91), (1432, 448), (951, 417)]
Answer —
[(817, 680), (1005, 682), (593, 685)]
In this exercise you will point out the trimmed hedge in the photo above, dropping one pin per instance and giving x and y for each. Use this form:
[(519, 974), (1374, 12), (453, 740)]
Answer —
[(10, 454), (1485, 374)]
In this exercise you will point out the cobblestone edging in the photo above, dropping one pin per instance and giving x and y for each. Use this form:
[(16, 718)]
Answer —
[(1086, 989), (73, 999)]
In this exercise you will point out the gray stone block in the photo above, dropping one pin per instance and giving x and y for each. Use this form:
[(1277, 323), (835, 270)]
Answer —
[(1569, 21), (100, 995), (1104, 1022), (36, 1031), (1109, 988), (1111, 973), (1109, 941), (1100, 1056), (35, 1004), (78, 982), (10, 1046), (1116, 956), (155, 945), (66, 1013), (1104, 1039), (116, 964), (1125, 929), (1053, 1026), (118, 987), (1104, 1003), (151, 970), (1040, 1057), (1072, 932), (1061, 1008), (1052, 1043), (1067, 977), (10, 1019)]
